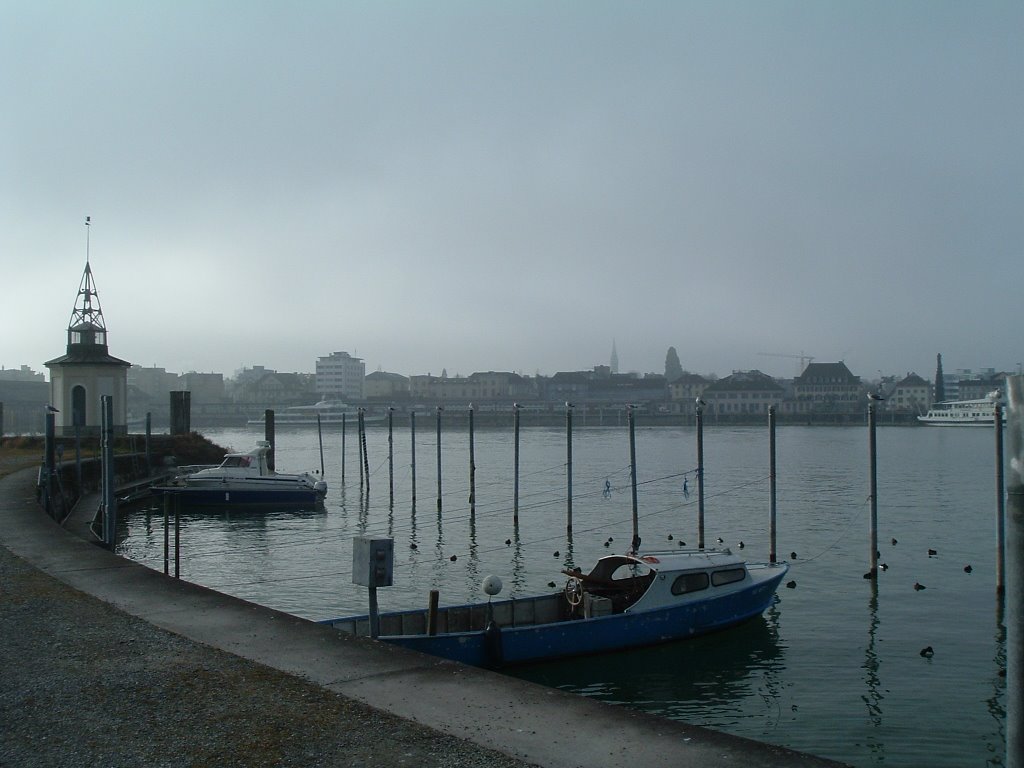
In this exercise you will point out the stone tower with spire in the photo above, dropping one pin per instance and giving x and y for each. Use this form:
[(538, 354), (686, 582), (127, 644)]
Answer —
[(87, 371), (615, 358)]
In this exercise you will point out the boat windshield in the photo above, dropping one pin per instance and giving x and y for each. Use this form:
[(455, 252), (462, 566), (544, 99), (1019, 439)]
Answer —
[(237, 461)]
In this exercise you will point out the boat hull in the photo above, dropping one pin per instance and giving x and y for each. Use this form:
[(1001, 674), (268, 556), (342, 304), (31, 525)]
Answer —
[(253, 492), (575, 637)]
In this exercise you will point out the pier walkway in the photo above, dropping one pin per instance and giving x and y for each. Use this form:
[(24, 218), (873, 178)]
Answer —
[(130, 667)]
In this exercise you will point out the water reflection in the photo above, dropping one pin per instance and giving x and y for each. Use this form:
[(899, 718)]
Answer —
[(703, 680), (873, 696), (995, 741)]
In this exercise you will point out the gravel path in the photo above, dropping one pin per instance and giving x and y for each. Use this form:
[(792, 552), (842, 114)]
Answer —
[(83, 684)]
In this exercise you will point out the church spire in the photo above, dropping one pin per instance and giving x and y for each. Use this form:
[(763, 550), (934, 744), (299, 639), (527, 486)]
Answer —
[(615, 358)]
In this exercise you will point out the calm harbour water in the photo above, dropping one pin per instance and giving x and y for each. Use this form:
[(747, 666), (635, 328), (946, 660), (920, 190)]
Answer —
[(833, 668)]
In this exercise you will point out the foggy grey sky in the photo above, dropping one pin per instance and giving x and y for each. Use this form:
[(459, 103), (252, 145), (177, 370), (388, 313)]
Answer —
[(509, 186)]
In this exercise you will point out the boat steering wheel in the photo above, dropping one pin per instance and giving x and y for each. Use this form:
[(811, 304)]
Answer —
[(574, 591)]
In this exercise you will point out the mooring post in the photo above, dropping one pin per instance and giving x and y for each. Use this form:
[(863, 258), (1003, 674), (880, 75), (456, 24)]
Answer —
[(391, 458), (149, 439), (472, 465), (432, 612), (320, 439), (997, 414), (177, 536), (1015, 576), (167, 534), (630, 417), (1, 422), (343, 430), (515, 464), (771, 483), (268, 435), (873, 492), (568, 467), (440, 408), (109, 498), (359, 445), (366, 453), (49, 460), (700, 474), (412, 450)]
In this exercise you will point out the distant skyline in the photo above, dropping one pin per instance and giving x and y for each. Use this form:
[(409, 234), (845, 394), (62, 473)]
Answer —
[(474, 187)]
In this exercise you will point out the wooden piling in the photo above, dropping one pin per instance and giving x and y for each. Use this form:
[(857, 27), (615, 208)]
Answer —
[(343, 430), (515, 465), (700, 475), (997, 415), (320, 439), (412, 449), (439, 410), (432, 612), (631, 419), (366, 454), (391, 458), (472, 465), (873, 493), (107, 462), (568, 468), (167, 534), (771, 484), (269, 436), (1015, 575), (177, 536)]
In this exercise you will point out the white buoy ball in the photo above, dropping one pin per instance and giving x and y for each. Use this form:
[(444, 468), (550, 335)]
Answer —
[(491, 585)]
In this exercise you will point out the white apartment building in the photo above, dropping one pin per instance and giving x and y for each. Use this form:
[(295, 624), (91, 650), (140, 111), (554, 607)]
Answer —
[(339, 376)]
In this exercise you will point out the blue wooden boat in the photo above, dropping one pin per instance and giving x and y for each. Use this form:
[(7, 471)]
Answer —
[(626, 601)]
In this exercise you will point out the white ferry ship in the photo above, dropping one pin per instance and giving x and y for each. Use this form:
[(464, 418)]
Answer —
[(962, 413), (331, 413)]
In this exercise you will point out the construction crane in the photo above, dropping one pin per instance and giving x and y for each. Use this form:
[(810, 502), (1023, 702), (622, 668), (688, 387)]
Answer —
[(804, 359)]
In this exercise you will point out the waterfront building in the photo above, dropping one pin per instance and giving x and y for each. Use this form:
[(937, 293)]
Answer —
[(911, 394), (482, 387), (381, 385), (339, 376), (87, 371), (828, 388), (742, 393), (684, 391)]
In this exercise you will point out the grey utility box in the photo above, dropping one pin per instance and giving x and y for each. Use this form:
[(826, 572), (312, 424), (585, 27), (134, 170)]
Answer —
[(373, 561)]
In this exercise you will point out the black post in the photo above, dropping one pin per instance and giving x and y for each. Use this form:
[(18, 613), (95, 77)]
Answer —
[(1015, 575), (343, 430), (873, 493), (412, 448), (149, 442), (515, 493), (391, 458), (177, 537), (472, 465), (630, 417), (568, 468), (270, 437), (49, 461), (771, 484), (439, 409), (700, 474), (107, 463), (167, 534), (997, 415)]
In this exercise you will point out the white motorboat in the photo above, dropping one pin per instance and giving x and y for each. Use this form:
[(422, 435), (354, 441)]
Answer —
[(246, 478)]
